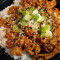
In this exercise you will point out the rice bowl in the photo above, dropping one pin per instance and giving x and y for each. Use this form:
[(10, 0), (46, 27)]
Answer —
[(30, 30)]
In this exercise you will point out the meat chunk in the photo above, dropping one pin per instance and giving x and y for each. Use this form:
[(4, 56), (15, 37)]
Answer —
[(13, 9), (28, 32), (58, 31), (37, 49), (17, 51)]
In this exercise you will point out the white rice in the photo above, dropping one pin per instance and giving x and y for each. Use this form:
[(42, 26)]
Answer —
[(4, 14), (2, 37)]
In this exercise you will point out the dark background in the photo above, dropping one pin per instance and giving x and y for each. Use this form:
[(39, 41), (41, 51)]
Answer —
[(3, 55)]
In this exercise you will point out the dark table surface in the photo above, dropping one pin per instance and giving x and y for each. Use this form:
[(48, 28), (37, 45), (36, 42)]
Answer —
[(3, 55)]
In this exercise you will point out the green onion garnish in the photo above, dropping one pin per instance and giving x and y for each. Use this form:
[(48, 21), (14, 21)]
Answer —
[(42, 35), (51, 37), (45, 28), (44, 17), (27, 17), (16, 28), (41, 12), (19, 11), (31, 9), (16, 21), (35, 17), (23, 12), (22, 24), (46, 13)]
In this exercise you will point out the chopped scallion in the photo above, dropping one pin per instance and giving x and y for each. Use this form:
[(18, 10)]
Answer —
[(48, 34), (41, 12), (44, 17), (35, 17), (28, 12), (23, 12), (16, 28), (45, 28), (51, 37), (27, 17), (16, 21), (42, 35), (19, 11), (23, 19), (46, 13), (31, 9), (22, 24)]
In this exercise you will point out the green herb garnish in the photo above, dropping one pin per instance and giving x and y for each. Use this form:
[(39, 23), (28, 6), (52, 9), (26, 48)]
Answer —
[(45, 28), (16, 21), (46, 13), (42, 35), (41, 12), (16, 28), (19, 11), (35, 17), (51, 37), (31, 9), (22, 24), (44, 17), (27, 17), (23, 12)]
